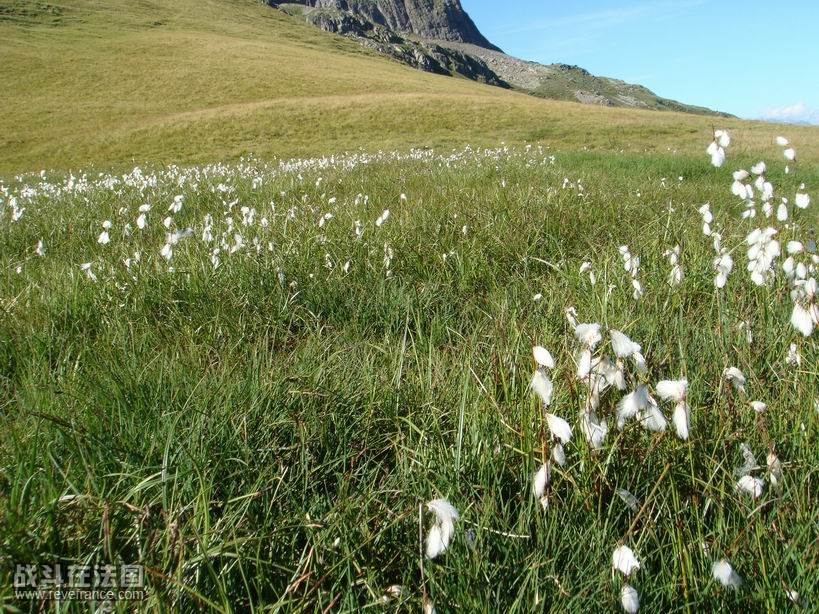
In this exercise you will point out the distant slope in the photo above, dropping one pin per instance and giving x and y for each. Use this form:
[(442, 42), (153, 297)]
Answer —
[(438, 36), (565, 82), (125, 82)]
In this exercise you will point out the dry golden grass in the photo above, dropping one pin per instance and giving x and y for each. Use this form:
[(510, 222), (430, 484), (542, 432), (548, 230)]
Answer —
[(116, 83)]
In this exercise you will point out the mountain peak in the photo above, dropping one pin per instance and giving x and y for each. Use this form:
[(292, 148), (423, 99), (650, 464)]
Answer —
[(444, 20)]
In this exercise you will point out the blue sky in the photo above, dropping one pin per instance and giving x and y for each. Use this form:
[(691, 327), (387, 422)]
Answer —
[(751, 58)]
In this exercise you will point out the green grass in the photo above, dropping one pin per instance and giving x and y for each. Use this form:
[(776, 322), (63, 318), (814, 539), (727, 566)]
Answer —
[(115, 83), (258, 444), (261, 435)]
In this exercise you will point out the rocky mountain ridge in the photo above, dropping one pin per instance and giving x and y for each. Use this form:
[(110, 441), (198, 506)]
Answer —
[(439, 36)]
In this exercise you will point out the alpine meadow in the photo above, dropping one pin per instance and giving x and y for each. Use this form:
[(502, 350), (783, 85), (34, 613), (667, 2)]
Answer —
[(289, 325)]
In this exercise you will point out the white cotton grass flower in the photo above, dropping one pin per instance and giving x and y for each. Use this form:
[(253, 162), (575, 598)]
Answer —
[(751, 486), (104, 238), (759, 407), (586, 267), (717, 147), (89, 273), (803, 320), (39, 249), (717, 154), (672, 390), (176, 205), (142, 218), (740, 189), (637, 288), (675, 277), (624, 561), (571, 317), (641, 405), (762, 252), (440, 533), (631, 264), (624, 347), (559, 454), (588, 334), (793, 358), (782, 211), (559, 428), (584, 364), (542, 357), (651, 418), (802, 199), (707, 219), (542, 386), (745, 326), (392, 592), (676, 390), (794, 247), (736, 378), (725, 574), (629, 599), (790, 154), (540, 480), (612, 374), (782, 141), (774, 471), (722, 137), (396, 590), (794, 597), (630, 404), (385, 215), (593, 429), (723, 264)]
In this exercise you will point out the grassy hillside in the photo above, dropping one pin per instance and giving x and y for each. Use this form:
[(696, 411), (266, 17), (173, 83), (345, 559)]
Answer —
[(114, 83)]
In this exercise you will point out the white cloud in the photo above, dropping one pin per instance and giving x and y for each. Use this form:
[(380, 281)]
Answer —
[(798, 113)]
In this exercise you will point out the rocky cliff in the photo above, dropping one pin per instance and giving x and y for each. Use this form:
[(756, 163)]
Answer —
[(443, 20)]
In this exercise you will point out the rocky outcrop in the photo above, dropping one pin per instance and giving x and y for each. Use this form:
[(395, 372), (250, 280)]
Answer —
[(418, 53), (443, 20)]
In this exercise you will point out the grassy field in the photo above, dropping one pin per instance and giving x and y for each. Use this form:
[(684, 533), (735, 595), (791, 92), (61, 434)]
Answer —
[(258, 426), (240, 373), (117, 83)]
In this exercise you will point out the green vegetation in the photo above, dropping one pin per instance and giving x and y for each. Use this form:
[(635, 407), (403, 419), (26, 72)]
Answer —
[(264, 432), (260, 425)]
